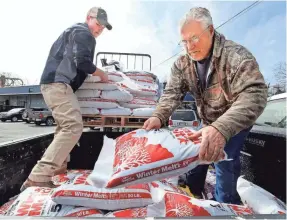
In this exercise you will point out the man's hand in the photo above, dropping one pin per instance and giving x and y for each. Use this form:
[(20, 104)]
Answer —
[(100, 73), (212, 144), (152, 123)]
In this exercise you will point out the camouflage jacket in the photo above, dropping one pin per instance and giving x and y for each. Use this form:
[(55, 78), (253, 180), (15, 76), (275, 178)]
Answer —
[(235, 93)]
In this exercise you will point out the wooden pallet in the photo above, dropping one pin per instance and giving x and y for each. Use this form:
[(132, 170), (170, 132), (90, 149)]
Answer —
[(115, 121)]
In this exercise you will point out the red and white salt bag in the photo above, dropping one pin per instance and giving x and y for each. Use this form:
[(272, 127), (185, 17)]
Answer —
[(173, 204), (89, 111), (139, 76), (116, 111), (144, 112), (120, 95), (80, 193), (144, 156), (164, 185), (5, 207), (130, 213), (69, 176), (139, 103), (258, 199), (85, 93), (99, 86), (36, 201), (97, 103)]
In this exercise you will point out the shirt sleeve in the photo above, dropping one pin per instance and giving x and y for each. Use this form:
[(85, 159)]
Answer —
[(83, 45)]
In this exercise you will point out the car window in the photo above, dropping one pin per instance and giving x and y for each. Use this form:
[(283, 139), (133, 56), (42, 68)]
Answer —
[(274, 114), (183, 115)]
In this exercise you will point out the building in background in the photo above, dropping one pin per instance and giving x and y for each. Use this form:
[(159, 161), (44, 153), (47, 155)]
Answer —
[(21, 96)]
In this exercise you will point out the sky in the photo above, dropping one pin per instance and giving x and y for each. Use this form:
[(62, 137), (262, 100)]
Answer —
[(29, 28)]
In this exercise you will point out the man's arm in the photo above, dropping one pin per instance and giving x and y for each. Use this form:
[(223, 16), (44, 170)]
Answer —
[(251, 91), (83, 44), (172, 95)]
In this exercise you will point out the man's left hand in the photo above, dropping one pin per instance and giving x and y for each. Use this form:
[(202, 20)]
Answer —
[(212, 144)]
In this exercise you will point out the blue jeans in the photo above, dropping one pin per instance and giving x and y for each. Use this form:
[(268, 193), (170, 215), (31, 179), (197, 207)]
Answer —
[(227, 172)]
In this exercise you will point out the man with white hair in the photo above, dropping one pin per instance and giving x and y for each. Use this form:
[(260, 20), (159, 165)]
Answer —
[(230, 93), (69, 62)]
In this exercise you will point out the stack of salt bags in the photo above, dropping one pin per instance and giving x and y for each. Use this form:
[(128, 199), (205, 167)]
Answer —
[(120, 96)]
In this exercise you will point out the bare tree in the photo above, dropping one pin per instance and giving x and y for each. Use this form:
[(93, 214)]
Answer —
[(7, 79), (280, 75)]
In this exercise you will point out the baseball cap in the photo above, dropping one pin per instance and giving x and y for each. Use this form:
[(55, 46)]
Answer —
[(101, 15)]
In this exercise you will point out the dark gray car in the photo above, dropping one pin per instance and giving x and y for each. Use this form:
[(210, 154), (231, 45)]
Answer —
[(44, 116)]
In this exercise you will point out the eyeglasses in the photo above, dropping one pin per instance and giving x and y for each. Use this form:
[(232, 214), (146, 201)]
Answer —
[(194, 39)]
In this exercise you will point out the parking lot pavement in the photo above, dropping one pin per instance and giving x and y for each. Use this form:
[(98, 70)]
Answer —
[(10, 131)]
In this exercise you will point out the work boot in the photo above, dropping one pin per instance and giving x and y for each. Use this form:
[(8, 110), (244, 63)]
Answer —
[(30, 183)]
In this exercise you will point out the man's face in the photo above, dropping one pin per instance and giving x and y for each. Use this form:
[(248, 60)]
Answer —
[(95, 26), (197, 39)]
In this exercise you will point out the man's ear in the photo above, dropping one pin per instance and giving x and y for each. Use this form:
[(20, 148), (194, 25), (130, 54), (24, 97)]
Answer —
[(211, 30)]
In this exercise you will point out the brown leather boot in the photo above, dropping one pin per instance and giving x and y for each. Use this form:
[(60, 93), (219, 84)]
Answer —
[(30, 183)]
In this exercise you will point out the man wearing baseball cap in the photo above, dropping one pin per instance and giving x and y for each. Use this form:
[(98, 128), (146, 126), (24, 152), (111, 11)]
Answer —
[(69, 62)]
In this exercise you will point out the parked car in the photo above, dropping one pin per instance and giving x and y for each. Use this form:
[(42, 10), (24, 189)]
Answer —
[(28, 114), (184, 118), (14, 115), (267, 142), (44, 116)]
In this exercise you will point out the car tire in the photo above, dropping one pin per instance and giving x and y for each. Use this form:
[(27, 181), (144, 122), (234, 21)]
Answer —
[(14, 119), (38, 123), (3, 120), (49, 121)]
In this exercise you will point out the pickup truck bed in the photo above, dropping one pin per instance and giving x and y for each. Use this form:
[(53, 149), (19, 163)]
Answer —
[(18, 158)]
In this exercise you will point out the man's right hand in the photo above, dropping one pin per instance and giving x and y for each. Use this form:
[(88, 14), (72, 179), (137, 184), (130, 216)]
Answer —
[(100, 73), (152, 123)]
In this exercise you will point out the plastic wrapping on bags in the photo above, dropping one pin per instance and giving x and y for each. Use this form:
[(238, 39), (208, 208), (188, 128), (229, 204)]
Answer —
[(97, 103), (119, 95), (258, 199)]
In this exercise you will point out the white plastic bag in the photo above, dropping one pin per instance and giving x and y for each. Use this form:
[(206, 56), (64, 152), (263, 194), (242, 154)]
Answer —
[(120, 95), (97, 103), (258, 199), (138, 103), (116, 111), (173, 204), (144, 112), (103, 167), (143, 156), (85, 93), (36, 201), (89, 111)]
